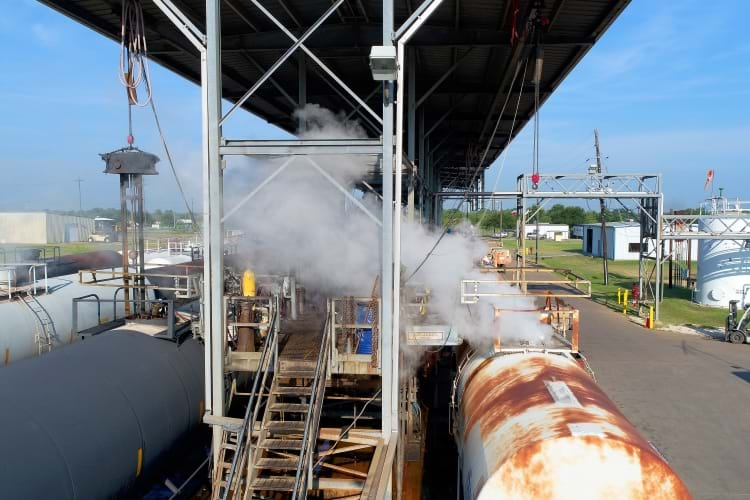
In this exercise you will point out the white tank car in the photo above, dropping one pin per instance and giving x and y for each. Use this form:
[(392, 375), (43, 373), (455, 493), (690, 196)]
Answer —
[(22, 334)]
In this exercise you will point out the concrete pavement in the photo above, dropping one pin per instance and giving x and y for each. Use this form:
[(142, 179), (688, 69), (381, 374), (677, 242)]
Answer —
[(689, 395)]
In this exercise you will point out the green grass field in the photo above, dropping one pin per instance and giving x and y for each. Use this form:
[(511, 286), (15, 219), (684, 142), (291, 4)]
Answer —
[(84, 246), (676, 308)]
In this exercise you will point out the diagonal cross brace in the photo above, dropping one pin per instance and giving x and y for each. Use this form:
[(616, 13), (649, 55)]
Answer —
[(281, 168), (297, 43), (315, 58)]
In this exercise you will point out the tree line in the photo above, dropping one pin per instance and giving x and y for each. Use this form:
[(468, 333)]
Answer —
[(501, 220)]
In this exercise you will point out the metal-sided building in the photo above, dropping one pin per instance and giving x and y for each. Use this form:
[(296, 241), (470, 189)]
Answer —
[(555, 232), (41, 228), (623, 240)]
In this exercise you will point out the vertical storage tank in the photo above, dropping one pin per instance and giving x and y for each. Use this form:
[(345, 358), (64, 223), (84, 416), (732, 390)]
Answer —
[(723, 265)]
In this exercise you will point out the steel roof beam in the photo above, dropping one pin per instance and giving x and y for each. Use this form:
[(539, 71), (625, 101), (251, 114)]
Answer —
[(440, 80), (347, 36), (302, 147)]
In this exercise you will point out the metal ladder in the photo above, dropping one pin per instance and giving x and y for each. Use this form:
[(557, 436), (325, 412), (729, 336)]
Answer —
[(46, 331), (289, 432)]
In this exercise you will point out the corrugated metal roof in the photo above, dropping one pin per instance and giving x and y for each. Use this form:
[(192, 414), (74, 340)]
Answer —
[(472, 95)]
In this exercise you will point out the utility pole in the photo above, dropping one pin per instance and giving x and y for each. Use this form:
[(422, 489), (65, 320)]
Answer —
[(80, 205), (601, 208)]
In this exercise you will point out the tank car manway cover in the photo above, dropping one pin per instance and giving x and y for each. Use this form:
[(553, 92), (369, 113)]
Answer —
[(535, 425)]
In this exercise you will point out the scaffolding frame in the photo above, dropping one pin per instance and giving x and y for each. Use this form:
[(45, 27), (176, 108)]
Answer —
[(216, 147)]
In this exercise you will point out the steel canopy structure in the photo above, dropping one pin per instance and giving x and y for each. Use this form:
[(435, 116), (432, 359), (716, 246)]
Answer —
[(457, 63), (461, 59)]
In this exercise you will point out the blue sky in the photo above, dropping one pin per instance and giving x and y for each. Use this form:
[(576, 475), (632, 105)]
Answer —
[(668, 87)]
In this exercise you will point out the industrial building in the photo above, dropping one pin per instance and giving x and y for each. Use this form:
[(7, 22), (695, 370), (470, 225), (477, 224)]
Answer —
[(43, 228), (556, 232), (623, 240)]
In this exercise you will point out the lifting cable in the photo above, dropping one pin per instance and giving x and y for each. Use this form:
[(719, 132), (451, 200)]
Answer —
[(134, 73), (539, 23)]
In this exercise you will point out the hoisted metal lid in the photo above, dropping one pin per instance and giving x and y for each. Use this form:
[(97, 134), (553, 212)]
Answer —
[(130, 161)]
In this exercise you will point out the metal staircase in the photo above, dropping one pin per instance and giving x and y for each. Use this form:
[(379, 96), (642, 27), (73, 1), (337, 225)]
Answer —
[(239, 440), (289, 432), (46, 330)]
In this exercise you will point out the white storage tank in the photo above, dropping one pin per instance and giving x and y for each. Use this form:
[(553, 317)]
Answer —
[(723, 265)]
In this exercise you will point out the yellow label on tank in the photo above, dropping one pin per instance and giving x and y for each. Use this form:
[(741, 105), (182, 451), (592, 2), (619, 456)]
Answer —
[(139, 464)]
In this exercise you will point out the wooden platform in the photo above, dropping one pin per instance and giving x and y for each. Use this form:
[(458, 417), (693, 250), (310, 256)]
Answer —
[(300, 339)]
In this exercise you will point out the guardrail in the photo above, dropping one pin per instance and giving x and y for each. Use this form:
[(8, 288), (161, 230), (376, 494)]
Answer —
[(312, 421), (473, 290), (269, 361), (186, 286), (9, 279), (169, 334)]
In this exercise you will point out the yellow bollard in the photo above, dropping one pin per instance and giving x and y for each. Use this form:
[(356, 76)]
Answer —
[(619, 295), (651, 317), (625, 302)]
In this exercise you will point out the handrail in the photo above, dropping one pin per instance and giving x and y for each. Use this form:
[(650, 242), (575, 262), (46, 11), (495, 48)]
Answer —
[(269, 349), (75, 309), (307, 437)]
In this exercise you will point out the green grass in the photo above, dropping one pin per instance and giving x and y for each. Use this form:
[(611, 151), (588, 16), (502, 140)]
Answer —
[(85, 246), (676, 308)]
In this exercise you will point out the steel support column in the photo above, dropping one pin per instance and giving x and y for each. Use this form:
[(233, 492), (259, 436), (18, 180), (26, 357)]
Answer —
[(212, 228), (659, 288), (389, 351), (421, 168), (411, 135)]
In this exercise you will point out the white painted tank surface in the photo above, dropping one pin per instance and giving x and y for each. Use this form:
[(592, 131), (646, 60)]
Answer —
[(155, 259), (723, 265), (19, 326)]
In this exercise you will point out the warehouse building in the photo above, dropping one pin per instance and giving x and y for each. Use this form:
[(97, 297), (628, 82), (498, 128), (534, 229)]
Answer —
[(42, 228), (623, 240), (556, 232)]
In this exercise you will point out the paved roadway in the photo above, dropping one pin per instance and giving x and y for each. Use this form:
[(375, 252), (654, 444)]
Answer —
[(690, 396)]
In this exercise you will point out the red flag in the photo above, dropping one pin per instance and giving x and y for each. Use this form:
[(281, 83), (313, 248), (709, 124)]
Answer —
[(709, 179)]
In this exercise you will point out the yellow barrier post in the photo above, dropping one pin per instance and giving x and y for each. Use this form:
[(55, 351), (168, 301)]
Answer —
[(651, 317), (619, 295), (625, 302)]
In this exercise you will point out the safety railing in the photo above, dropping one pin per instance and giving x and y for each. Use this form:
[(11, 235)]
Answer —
[(269, 361), (265, 304), (166, 310), (312, 420), (473, 290), (185, 286), (9, 283), (345, 326), (35, 254)]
